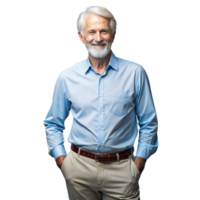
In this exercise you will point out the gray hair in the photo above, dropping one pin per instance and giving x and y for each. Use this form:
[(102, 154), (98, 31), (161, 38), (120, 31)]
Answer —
[(99, 11)]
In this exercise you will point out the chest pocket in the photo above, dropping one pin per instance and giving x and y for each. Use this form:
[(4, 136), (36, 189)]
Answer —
[(119, 102)]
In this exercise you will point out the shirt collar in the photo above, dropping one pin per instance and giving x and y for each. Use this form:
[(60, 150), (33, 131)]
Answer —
[(112, 63)]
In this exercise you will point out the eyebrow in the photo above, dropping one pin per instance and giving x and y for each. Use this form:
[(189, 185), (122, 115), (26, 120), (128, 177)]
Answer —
[(103, 29)]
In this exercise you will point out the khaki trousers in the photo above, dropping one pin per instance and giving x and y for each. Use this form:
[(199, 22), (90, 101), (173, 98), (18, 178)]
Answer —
[(87, 179)]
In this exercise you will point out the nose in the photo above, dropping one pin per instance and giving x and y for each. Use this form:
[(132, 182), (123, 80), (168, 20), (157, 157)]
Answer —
[(98, 37)]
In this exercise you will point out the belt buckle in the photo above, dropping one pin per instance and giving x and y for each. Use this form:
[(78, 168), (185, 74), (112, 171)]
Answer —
[(96, 155)]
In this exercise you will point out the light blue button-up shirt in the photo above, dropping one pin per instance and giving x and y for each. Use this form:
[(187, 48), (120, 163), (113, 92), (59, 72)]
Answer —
[(104, 109)]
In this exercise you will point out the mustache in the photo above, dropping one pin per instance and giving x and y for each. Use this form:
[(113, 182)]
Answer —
[(98, 43)]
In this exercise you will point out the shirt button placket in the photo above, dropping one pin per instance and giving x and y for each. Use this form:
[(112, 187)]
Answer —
[(100, 124)]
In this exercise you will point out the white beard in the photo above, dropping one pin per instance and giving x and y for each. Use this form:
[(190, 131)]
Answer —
[(98, 52)]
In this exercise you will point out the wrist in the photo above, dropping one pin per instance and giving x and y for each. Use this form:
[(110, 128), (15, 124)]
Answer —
[(140, 160)]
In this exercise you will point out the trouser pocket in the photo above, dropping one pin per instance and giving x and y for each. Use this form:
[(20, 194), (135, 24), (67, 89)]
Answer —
[(64, 166), (135, 170)]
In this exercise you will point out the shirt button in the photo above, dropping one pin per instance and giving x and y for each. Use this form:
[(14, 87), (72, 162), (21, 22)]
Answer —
[(100, 128), (100, 145), (100, 95), (100, 112), (101, 78)]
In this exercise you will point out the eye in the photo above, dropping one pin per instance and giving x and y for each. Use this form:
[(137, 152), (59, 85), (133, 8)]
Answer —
[(104, 32)]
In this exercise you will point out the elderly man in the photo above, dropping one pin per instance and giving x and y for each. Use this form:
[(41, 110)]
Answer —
[(105, 94)]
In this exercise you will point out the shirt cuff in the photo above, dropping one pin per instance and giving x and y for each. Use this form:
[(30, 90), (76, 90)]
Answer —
[(59, 150), (146, 151)]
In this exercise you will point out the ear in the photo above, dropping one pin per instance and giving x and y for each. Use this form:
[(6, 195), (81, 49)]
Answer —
[(115, 36), (81, 37)]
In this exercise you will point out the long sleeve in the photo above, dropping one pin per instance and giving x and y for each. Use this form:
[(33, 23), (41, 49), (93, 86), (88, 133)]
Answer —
[(146, 115), (54, 121)]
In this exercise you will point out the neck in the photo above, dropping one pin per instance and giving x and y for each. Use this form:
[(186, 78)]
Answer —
[(99, 64)]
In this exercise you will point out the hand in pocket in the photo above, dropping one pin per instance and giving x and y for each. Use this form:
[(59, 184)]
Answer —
[(59, 161)]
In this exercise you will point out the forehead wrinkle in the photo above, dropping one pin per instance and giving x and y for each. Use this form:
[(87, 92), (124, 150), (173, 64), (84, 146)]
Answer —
[(93, 20), (103, 29)]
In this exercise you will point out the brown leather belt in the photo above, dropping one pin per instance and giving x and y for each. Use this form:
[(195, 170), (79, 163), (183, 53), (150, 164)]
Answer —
[(102, 158)]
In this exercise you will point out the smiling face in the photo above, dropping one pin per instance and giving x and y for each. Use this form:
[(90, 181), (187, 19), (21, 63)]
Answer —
[(97, 35)]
